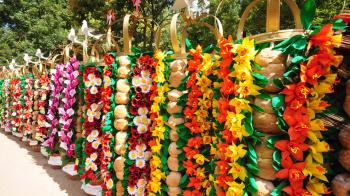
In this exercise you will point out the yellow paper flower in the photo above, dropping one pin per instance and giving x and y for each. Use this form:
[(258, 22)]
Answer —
[(313, 169), (235, 152), (237, 171), (200, 159), (235, 189)]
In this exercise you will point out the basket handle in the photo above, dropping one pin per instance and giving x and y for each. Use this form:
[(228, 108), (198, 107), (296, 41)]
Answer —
[(180, 50), (126, 36), (273, 15), (95, 57)]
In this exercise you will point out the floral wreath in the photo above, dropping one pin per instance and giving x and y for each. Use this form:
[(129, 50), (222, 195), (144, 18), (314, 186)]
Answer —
[(160, 131), (92, 123), (138, 154), (67, 112), (302, 102), (16, 104), (108, 130), (52, 119), (28, 108), (43, 92)]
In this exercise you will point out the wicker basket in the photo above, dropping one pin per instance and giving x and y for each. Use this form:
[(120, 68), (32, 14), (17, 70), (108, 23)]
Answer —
[(97, 181), (55, 166), (35, 148)]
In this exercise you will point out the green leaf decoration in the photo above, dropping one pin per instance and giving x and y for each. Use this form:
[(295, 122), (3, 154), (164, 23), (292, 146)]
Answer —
[(188, 44), (300, 44), (308, 13), (249, 127), (278, 83), (286, 43), (298, 59), (265, 96), (183, 181), (277, 101), (291, 71), (260, 79), (257, 108), (278, 190), (339, 24)]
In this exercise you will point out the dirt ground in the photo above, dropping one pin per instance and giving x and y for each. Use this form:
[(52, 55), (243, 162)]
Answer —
[(24, 172)]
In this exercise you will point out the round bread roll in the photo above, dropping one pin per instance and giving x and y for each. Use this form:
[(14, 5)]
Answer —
[(173, 108), (264, 104), (122, 98), (120, 138), (119, 164), (121, 124), (173, 150), (272, 71), (264, 187), (346, 105), (173, 135), (172, 121), (119, 188), (120, 175), (175, 78), (123, 86), (173, 179), (266, 171), (177, 65), (174, 95), (173, 163), (344, 137), (123, 71), (341, 185), (266, 123), (344, 158), (36, 107), (174, 191), (263, 152), (268, 56), (120, 111), (120, 149), (124, 61)]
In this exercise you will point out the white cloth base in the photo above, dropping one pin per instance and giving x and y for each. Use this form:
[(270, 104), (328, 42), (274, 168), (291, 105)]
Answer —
[(55, 160), (69, 169), (92, 190)]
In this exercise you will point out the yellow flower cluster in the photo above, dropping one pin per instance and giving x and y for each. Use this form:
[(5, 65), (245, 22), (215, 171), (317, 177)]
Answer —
[(245, 53), (158, 128)]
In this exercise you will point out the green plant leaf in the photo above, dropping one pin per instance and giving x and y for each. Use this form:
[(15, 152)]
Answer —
[(257, 108), (308, 13), (300, 44), (188, 44), (298, 59), (278, 83)]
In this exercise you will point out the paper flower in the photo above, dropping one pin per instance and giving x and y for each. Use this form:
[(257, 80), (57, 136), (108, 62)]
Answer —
[(93, 112), (92, 83)]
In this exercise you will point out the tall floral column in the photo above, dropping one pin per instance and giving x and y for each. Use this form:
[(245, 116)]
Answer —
[(52, 117), (8, 107), (92, 152), (108, 130), (121, 122), (137, 168), (43, 94), (28, 108), (16, 105)]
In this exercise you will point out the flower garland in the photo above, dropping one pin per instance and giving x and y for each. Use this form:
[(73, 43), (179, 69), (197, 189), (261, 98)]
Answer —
[(304, 99), (160, 131), (22, 103), (43, 92), (7, 107), (52, 120), (28, 107), (139, 150), (108, 140), (16, 104), (237, 82), (2, 103), (92, 124), (66, 112), (195, 133)]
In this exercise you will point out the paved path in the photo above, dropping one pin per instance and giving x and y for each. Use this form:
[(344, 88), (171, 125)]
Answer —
[(24, 172)]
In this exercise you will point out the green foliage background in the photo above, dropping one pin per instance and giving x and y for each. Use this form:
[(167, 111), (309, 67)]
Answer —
[(26, 25)]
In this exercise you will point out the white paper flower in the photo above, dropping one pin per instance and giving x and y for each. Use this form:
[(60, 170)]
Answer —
[(137, 120), (141, 147), (142, 111), (132, 190), (132, 155), (96, 144), (140, 154), (141, 129), (93, 82), (136, 81), (145, 88), (145, 73), (109, 184), (92, 113), (148, 155), (141, 183), (140, 163)]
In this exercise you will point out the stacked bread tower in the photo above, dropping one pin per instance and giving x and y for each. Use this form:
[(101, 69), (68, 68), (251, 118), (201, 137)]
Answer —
[(341, 183), (272, 63), (177, 74), (121, 121)]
